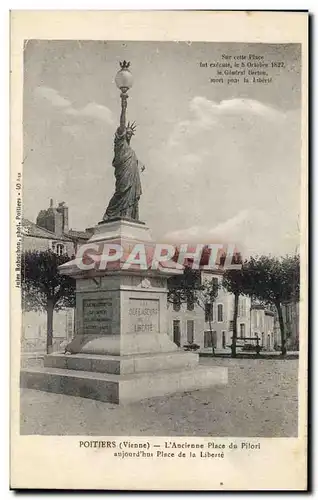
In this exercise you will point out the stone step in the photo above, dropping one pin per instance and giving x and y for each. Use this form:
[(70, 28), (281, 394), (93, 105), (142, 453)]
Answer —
[(122, 364), (122, 388)]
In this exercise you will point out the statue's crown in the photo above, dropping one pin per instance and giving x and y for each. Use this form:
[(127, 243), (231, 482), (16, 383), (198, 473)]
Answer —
[(131, 127), (124, 64)]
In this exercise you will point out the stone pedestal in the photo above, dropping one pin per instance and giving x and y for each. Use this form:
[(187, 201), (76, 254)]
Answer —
[(121, 351)]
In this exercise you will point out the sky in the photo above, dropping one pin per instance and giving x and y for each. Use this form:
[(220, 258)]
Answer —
[(222, 160)]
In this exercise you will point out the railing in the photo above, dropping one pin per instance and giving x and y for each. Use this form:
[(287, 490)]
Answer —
[(257, 347)]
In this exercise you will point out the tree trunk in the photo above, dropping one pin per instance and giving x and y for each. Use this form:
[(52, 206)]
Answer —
[(49, 331), (282, 327), (234, 338), (210, 325)]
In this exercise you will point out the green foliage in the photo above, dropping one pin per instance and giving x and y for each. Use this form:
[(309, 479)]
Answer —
[(237, 281), (271, 280), (274, 280), (188, 287), (43, 284), (208, 293), (183, 287)]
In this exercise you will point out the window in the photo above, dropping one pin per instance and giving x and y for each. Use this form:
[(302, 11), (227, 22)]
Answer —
[(176, 332), (220, 313), (242, 330), (215, 283), (59, 250), (287, 312), (190, 304), (208, 312), (190, 331), (243, 307), (223, 340), (208, 339), (214, 338), (231, 326), (257, 320), (176, 304)]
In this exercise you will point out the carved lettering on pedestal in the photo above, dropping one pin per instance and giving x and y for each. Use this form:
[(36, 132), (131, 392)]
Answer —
[(97, 315), (144, 315)]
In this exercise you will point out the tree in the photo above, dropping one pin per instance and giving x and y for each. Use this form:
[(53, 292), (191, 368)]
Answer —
[(235, 281), (275, 281), (205, 299), (44, 288), (184, 287)]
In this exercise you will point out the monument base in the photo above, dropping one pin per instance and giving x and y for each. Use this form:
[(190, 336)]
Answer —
[(122, 379), (121, 351)]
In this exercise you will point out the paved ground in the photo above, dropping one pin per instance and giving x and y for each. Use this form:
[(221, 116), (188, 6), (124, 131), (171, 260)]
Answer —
[(260, 400)]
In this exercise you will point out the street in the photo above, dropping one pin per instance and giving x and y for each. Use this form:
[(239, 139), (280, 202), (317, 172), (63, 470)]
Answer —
[(260, 400)]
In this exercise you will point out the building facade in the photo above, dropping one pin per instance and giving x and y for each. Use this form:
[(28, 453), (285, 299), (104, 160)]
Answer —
[(263, 326), (50, 232), (208, 325), (212, 326), (290, 311)]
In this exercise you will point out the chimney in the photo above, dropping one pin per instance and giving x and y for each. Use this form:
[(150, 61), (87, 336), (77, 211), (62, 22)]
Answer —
[(65, 219), (63, 211), (51, 203), (58, 223)]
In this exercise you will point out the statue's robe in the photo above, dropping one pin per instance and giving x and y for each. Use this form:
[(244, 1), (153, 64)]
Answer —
[(124, 202)]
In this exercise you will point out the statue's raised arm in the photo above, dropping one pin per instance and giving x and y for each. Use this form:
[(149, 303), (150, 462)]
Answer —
[(124, 202), (122, 121)]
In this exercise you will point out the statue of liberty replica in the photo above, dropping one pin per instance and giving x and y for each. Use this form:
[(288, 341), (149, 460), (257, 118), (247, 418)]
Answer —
[(124, 202)]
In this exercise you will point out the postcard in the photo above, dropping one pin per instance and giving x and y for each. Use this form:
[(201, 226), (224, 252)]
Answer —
[(159, 186)]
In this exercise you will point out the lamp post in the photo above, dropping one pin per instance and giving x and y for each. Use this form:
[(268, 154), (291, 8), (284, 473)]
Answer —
[(124, 81)]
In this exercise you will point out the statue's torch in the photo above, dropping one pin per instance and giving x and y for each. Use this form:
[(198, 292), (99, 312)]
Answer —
[(124, 81)]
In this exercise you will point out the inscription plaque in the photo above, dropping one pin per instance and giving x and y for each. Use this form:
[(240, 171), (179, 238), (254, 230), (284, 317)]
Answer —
[(97, 315), (144, 315)]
